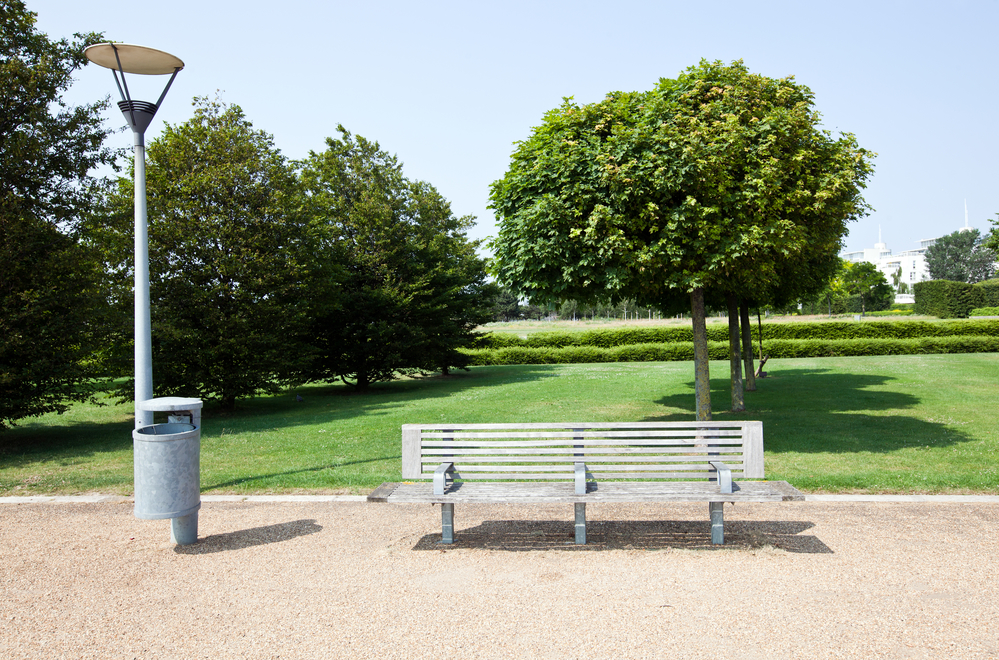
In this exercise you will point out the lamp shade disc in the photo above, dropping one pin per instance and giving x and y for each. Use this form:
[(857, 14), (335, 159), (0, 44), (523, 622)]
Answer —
[(134, 59)]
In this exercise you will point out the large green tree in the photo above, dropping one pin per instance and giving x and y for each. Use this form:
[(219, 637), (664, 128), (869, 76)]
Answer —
[(961, 257), (718, 181), (228, 253), (398, 285), (50, 298)]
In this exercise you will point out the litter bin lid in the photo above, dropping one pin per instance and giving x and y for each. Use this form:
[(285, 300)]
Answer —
[(169, 403)]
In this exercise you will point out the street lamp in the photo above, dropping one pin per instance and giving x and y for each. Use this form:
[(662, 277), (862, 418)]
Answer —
[(128, 58)]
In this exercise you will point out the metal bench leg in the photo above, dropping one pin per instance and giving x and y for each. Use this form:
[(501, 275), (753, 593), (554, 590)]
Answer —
[(447, 523), (717, 522), (580, 523)]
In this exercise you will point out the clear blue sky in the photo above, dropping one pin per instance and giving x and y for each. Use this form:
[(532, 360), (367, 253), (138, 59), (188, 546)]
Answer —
[(450, 86)]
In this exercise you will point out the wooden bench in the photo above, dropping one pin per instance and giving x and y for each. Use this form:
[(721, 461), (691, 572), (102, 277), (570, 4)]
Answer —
[(585, 463)]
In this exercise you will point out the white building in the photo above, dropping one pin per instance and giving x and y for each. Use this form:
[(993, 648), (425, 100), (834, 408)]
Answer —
[(912, 263)]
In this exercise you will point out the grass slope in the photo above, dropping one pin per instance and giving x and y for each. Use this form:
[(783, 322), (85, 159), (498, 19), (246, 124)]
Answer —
[(907, 424)]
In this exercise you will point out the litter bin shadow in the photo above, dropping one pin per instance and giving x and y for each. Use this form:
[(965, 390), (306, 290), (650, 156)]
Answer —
[(249, 538), (520, 536)]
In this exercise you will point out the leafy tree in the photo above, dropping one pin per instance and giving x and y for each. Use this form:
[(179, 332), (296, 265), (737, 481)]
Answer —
[(399, 286), (991, 241), (719, 180), (50, 299), (227, 254), (865, 280), (961, 257)]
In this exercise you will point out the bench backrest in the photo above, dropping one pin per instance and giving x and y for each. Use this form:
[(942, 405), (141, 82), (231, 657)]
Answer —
[(639, 450)]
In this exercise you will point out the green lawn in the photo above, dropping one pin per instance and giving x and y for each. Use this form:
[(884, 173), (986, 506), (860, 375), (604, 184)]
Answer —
[(899, 424)]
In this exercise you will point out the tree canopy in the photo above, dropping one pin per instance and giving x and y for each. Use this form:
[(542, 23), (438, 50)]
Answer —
[(719, 180), (50, 298), (865, 280), (399, 285), (961, 257)]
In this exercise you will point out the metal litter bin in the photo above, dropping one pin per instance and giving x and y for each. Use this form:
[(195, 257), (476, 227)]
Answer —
[(168, 467)]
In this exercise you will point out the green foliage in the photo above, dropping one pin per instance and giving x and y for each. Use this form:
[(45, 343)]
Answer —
[(51, 307), (985, 311), (228, 255), (719, 178), (821, 332), (893, 312), (946, 299), (961, 257), (397, 286), (51, 304), (991, 240), (865, 280), (990, 292)]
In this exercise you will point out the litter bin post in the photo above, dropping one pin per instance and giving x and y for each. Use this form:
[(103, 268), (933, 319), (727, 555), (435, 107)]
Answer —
[(168, 466)]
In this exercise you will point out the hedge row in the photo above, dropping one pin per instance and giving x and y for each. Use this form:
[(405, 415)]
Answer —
[(985, 311), (832, 330), (946, 299), (990, 293), (777, 348)]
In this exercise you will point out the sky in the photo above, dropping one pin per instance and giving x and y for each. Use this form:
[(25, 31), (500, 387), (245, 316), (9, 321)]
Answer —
[(449, 87)]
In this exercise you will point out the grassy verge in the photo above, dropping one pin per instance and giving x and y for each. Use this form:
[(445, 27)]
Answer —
[(906, 424)]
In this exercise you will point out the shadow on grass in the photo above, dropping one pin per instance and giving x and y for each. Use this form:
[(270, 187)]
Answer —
[(318, 468), (250, 538), (540, 535), (816, 410)]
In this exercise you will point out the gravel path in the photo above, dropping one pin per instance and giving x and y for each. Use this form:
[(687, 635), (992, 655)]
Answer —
[(358, 580)]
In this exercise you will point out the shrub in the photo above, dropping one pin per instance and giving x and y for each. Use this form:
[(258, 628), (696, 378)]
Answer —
[(990, 293), (893, 312), (946, 299), (985, 311), (830, 330)]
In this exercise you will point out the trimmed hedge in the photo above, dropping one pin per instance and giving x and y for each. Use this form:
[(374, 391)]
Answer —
[(893, 312), (832, 330), (985, 311), (990, 293), (777, 348), (946, 299)]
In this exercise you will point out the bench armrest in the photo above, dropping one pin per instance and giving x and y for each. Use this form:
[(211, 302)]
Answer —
[(580, 475), (440, 477), (724, 476)]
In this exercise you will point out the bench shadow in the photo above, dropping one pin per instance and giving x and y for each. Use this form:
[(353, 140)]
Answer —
[(539, 535), (250, 538)]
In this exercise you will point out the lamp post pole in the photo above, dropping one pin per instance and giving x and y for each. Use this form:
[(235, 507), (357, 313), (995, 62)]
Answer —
[(143, 322)]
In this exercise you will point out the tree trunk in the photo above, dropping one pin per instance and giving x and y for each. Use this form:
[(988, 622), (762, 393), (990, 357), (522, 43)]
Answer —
[(747, 346), (702, 372), (735, 355)]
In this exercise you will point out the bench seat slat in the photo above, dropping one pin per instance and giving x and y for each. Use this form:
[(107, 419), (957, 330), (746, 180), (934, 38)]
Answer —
[(567, 475), (572, 451), (568, 434), (733, 459), (746, 491), (637, 442)]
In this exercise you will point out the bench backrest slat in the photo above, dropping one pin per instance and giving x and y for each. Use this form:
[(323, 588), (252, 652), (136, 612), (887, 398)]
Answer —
[(641, 450)]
